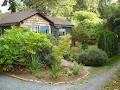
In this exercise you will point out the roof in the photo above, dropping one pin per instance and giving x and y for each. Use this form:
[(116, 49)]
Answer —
[(14, 18), (59, 21)]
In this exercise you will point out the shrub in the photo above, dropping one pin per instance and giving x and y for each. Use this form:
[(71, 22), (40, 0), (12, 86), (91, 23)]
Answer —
[(74, 52), (93, 57), (87, 23), (35, 63), (17, 46), (35, 67), (67, 74), (84, 46), (108, 42), (53, 39), (54, 71), (76, 68), (62, 49)]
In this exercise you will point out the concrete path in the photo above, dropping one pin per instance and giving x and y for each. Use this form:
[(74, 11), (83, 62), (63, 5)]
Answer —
[(95, 83)]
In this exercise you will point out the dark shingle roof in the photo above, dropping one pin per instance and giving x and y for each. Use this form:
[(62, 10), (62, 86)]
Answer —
[(14, 18), (59, 21)]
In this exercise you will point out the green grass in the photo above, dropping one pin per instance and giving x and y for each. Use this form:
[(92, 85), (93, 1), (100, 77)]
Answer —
[(92, 46), (112, 61)]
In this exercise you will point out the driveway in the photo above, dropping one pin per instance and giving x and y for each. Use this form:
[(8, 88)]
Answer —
[(95, 83)]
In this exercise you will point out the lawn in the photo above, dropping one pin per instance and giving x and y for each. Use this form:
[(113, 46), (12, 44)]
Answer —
[(112, 61)]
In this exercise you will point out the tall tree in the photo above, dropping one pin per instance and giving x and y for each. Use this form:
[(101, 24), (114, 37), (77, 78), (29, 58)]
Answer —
[(89, 5), (12, 4), (64, 9), (20, 6), (44, 5), (102, 5)]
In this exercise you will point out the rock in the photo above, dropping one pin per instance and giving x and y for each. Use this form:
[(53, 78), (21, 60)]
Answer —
[(66, 63)]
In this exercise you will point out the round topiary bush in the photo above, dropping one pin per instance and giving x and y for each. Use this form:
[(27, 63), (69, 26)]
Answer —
[(93, 57)]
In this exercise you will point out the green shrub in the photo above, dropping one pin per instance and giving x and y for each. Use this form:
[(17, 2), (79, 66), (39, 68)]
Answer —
[(50, 60), (62, 49), (108, 42), (87, 25), (84, 46), (55, 71), (53, 39), (67, 74), (17, 46), (35, 63), (35, 67), (93, 57), (73, 56), (74, 52), (76, 68)]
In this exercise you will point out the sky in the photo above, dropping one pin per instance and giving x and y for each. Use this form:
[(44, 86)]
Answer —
[(5, 8)]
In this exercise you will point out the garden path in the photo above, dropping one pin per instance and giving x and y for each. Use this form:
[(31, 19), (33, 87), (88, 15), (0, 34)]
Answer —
[(95, 83)]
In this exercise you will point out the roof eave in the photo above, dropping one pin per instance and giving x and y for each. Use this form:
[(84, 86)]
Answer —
[(9, 24), (63, 25)]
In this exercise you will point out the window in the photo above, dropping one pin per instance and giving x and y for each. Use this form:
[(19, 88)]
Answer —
[(35, 28), (62, 32), (44, 29)]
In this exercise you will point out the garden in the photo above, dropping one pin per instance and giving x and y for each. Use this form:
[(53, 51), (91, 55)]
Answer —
[(114, 83), (93, 43)]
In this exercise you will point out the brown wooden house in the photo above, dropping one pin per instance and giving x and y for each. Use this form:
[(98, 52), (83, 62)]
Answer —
[(37, 22)]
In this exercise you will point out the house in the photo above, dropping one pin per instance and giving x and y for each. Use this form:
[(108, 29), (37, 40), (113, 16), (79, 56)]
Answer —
[(37, 22)]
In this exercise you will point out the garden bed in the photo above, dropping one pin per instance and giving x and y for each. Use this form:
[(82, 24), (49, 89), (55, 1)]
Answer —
[(26, 75)]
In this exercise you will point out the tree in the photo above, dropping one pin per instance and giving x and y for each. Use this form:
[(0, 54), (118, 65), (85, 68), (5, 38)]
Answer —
[(119, 1), (89, 5), (87, 26), (20, 6), (0, 12), (113, 18), (102, 5), (108, 41), (44, 5), (12, 5), (64, 9), (87, 22)]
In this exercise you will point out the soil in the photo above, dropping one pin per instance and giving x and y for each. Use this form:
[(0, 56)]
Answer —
[(27, 75)]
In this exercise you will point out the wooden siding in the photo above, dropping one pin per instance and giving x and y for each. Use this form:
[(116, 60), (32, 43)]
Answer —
[(35, 20)]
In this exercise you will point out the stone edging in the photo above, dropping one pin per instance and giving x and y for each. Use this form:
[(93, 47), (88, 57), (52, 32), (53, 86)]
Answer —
[(37, 81)]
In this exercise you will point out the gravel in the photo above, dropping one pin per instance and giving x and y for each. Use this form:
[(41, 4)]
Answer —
[(95, 83)]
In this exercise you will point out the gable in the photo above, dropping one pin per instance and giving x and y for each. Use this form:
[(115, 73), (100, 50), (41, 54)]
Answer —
[(35, 20), (28, 16)]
